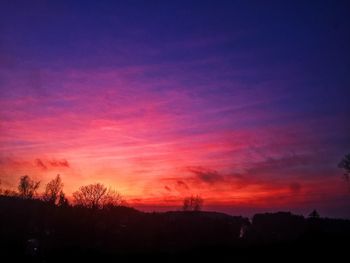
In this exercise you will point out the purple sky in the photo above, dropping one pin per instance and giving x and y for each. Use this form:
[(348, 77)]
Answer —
[(245, 103)]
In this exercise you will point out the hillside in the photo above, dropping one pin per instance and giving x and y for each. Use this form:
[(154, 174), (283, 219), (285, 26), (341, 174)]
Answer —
[(34, 230)]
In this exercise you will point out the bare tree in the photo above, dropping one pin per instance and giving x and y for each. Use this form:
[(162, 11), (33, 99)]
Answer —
[(96, 196), (112, 199), (53, 190), (27, 187), (193, 203), (345, 164)]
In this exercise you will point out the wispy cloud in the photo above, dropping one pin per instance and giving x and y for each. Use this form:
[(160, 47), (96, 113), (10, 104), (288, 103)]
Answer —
[(229, 133)]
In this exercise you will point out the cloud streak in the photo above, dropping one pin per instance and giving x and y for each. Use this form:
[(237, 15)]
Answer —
[(238, 112)]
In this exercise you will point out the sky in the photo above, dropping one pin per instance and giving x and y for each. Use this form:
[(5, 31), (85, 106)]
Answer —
[(245, 103)]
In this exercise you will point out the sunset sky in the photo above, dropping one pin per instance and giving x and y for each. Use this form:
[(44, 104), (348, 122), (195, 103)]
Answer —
[(245, 103)]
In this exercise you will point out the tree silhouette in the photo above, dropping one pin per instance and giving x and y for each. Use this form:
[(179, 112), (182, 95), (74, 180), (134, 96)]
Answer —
[(314, 214), (112, 199), (53, 190), (96, 196), (62, 200), (345, 164), (27, 187), (193, 203)]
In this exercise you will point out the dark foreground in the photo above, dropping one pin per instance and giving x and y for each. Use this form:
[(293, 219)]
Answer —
[(33, 231)]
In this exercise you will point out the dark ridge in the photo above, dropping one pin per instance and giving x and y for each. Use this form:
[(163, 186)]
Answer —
[(35, 231)]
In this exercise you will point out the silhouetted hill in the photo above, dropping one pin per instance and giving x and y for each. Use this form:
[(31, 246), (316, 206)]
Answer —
[(275, 227), (34, 230)]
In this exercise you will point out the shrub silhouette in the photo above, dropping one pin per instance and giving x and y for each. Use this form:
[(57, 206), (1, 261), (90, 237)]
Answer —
[(193, 203)]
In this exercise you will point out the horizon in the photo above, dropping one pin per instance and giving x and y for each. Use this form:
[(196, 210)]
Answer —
[(245, 104)]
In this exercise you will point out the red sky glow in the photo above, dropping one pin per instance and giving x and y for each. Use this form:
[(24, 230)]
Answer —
[(160, 108)]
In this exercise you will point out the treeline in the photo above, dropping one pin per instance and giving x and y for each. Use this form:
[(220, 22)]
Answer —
[(37, 230), (92, 196), (97, 226)]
